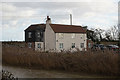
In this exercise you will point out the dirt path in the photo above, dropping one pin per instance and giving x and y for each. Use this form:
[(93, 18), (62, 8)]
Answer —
[(34, 73)]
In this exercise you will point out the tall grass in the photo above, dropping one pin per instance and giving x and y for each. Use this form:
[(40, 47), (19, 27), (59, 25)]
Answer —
[(99, 62)]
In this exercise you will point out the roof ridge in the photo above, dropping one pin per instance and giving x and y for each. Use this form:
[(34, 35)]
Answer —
[(37, 24), (67, 25)]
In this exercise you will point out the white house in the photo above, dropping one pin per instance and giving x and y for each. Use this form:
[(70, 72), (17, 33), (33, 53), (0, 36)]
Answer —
[(55, 37)]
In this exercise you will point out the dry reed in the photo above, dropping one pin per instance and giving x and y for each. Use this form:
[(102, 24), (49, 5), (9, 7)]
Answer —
[(99, 62)]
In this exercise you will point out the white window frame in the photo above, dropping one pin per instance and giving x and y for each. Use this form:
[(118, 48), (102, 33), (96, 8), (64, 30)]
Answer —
[(81, 37), (29, 45), (82, 45), (73, 35), (29, 34), (38, 34), (73, 45), (39, 45), (61, 35), (89, 45), (61, 46)]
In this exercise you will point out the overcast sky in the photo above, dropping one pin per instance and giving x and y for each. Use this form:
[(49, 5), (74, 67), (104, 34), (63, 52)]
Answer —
[(17, 16)]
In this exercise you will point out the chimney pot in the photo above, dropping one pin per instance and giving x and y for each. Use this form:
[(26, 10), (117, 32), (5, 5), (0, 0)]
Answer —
[(48, 18)]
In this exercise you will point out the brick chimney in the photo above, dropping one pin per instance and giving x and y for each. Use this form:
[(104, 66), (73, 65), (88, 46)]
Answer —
[(48, 20)]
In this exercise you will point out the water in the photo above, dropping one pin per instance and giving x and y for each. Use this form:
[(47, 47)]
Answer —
[(34, 73)]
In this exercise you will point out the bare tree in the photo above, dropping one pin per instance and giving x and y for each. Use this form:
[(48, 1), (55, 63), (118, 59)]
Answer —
[(97, 36), (112, 33), (100, 33), (108, 35)]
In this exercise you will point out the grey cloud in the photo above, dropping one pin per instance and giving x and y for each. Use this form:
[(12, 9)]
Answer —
[(83, 13), (49, 5)]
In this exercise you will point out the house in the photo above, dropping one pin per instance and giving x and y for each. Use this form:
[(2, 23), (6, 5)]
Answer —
[(55, 37), (90, 39)]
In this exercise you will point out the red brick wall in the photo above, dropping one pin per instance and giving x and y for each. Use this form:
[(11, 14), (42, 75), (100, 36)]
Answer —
[(91, 42)]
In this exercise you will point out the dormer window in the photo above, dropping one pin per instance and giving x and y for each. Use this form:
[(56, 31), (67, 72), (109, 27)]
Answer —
[(29, 34)]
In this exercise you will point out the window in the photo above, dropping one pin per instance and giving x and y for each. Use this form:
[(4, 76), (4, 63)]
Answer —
[(91, 33), (61, 45), (82, 36), (73, 45), (73, 36), (38, 34), (29, 45), (89, 45), (39, 45), (29, 34), (82, 45), (61, 35)]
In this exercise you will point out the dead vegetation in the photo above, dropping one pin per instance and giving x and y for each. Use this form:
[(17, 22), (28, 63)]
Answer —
[(96, 62)]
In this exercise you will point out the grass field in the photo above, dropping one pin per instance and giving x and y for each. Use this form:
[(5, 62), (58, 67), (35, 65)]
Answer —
[(95, 62)]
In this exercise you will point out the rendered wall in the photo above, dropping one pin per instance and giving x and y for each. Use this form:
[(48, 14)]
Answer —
[(68, 40)]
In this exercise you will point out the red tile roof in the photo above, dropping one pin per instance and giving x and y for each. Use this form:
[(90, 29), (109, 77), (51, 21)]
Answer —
[(58, 28)]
